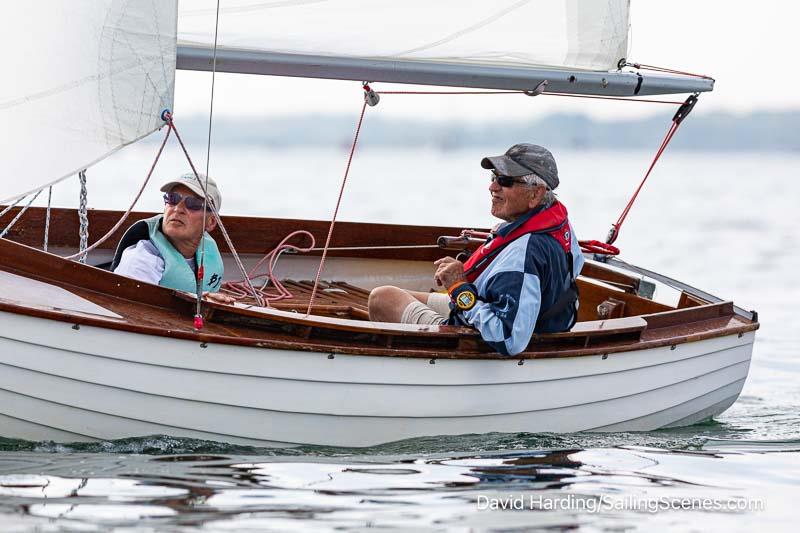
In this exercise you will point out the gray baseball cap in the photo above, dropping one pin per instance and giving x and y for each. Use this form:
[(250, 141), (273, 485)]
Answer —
[(522, 159), (188, 180)]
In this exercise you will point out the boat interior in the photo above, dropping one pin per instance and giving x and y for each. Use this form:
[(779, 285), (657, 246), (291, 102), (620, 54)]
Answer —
[(618, 309)]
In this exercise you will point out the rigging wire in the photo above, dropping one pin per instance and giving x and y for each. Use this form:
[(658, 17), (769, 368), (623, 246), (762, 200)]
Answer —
[(47, 219), (594, 246), (237, 259), (590, 246), (198, 317), (338, 203), (19, 215)]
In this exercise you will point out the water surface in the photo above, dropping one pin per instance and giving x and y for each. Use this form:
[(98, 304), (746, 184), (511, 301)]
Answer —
[(726, 223)]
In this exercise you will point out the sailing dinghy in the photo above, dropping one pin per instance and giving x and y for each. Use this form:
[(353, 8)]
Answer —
[(86, 354)]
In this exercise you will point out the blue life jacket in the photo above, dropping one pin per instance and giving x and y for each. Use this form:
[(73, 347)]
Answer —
[(177, 273)]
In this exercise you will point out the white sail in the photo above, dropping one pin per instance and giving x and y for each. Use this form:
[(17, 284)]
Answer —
[(81, 79), (573, 34)]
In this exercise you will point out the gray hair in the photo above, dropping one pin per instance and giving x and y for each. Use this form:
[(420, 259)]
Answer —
[(532, 180)]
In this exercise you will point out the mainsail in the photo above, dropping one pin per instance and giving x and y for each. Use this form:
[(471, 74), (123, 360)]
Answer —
[(580, 34), (96, 74), (92, 77), (576, 45)]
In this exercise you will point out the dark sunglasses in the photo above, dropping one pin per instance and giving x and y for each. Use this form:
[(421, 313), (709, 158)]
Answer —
[(192, 203), (505, 181)]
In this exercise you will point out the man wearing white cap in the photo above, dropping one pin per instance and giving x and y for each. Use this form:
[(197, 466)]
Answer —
[(170, 257)]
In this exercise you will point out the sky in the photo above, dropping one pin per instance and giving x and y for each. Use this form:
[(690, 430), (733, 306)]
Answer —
[(749, 48)]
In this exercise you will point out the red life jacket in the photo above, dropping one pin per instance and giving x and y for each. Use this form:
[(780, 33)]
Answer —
[(552, 221)]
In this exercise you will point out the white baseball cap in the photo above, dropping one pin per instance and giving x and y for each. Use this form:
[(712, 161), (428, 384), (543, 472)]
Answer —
[(190, 181)]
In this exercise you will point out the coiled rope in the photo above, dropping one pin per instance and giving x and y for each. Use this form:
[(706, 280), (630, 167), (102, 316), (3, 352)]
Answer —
[(238, 289)]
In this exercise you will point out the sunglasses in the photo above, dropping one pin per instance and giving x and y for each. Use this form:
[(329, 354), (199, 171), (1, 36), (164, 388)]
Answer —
[(192, 203), (505, 181)]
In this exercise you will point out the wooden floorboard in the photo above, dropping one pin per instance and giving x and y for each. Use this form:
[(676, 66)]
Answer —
[(333, 298)]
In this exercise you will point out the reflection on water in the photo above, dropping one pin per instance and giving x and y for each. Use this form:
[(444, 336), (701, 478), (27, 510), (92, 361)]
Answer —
[(624, 487)]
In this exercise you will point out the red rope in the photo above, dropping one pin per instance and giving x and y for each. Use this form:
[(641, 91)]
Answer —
[(618, 225), (450, 92), (621, 99), (591, 97), (597, 247), (338, 202)]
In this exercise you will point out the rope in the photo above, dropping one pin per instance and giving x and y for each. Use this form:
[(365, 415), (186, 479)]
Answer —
[(618, 98), (680, 115), (451, 92), (389, 247), (238, 289), (615, 228), (83, 216), (567, 95), (119, 223), (598, 248), (47, 219), (336, 211), (168, 117), (19, 215), (667, 70)]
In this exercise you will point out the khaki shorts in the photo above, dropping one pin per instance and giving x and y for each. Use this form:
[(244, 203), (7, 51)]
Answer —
[(434, 313)]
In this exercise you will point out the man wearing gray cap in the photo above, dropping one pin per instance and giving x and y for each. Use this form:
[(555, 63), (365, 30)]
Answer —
[(522, 280), (172, 253)]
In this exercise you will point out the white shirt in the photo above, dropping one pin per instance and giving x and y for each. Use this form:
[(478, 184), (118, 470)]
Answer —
[(143, 261)]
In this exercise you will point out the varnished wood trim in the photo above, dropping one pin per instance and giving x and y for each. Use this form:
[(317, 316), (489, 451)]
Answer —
[(141, 302)]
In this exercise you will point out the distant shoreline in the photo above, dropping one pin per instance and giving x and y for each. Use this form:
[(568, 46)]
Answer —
[(760, 131)]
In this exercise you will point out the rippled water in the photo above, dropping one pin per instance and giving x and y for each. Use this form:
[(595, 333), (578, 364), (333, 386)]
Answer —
[(726, 223)]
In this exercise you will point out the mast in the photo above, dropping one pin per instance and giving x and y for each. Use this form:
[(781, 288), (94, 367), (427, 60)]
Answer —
[(618, 83)]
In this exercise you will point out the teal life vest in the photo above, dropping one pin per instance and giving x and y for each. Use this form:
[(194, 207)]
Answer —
[(177, 272)]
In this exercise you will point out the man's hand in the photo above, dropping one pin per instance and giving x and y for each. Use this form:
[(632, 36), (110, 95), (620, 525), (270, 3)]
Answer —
[(448, 272), (219, 298)]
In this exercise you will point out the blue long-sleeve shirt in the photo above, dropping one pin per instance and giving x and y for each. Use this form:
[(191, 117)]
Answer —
[(527, 276)]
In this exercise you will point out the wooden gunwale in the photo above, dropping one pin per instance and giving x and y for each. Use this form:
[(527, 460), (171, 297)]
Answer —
[(154, 310), (251, 235)]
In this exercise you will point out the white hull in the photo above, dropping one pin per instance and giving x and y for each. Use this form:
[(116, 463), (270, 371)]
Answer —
[(65, 384)]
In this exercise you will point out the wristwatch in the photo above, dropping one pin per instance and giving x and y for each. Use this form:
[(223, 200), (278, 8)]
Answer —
[(463, 295)]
